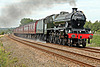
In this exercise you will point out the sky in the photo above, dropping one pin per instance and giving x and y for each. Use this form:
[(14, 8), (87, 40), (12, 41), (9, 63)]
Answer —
[(91, 9)]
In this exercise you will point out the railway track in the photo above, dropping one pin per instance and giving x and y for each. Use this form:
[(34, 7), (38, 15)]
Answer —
[(93, 48), (89, 49), (59, 52)]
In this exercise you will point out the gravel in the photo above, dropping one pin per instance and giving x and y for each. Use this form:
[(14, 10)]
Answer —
[(90, 61), (80, 58), (32, 57), (87, 53)]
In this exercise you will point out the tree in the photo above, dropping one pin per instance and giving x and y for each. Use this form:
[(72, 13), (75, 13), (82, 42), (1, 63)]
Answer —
[(2, 33), (96, 26), (25, 21), (88, 24)]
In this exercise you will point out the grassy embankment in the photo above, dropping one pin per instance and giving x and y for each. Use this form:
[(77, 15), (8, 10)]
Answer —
[(95, 42), (5, 58)]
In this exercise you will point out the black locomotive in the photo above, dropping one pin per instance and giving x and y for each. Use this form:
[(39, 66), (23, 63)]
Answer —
[(64, 28)]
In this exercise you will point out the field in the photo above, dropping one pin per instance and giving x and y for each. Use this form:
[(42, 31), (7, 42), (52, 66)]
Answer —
[(95, 42)]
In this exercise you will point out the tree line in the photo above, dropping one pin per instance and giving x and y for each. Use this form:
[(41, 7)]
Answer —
[(5, 30), (93, 26)]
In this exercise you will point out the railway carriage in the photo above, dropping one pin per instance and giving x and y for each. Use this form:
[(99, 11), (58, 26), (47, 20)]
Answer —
[(64, 28)]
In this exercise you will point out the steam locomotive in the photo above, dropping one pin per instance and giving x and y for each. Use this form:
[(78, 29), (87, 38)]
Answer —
[(64, 28)]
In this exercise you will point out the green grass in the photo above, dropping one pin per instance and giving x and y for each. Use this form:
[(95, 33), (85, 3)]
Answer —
[(97, 32), (6, 60), (1, 36), (95, 42)]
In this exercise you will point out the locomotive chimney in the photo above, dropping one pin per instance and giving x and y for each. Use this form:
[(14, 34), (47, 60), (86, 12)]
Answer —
[(74, 9)]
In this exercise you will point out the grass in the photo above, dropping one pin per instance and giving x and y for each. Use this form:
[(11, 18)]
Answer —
[(1, 36), (6, 60), (95, 42), (97, 32)]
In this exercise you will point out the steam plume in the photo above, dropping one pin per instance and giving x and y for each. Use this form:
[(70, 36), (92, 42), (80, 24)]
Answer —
[(16, 11)]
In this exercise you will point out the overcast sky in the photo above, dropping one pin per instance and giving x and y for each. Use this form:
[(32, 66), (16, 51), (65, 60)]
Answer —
[(91, 9)]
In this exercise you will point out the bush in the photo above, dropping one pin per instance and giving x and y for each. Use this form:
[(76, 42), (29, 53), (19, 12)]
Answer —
[(95, 42), (2, 33), (98, 30)]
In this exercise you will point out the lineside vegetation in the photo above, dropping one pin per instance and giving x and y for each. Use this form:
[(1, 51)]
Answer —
[(6, 60), (95, 42)]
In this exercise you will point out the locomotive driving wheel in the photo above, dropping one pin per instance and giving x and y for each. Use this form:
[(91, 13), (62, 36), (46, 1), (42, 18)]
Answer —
[(63, 42), (55, 39), (60, 41), (83, 44), (77, 44), (69, 44), (50, 39)]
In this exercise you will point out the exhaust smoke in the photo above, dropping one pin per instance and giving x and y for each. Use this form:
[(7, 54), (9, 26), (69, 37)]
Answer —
[(16, 11)]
